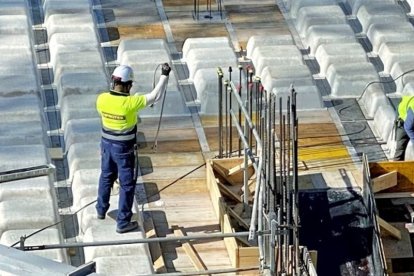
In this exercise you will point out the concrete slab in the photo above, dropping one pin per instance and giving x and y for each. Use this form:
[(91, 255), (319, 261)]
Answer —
[(21, 108), (373, 98), (47, 236), (14, 24), (384, 121), (30, 132), (30, 155), (310, 15), (121, 265), (379, 33), (14, 8), (107, 232), (399, 74), (87, 61), (69, 23), (15, 41), (82, 130), (339, 53), (257, 40), (36, 187), (275, 55), (73, 83), (84, 184), (64, 7), (323, 34), (350, 79), (308, 97), (126, 45), (209, 58), (204, 43), (395, 51), (147, 60), (296, 5), (85, 155), (78, 107), (379, 12), (30, 213)]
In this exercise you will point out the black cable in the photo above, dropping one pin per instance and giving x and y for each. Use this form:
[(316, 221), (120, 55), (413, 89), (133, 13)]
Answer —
[(372, 82)]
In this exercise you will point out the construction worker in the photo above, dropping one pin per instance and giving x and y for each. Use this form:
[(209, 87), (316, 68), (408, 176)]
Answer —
[(118, 110), (404, 126)]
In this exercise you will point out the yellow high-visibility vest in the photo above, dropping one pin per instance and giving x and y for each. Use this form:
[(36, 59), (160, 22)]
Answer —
[(406, 103), (119, 112)]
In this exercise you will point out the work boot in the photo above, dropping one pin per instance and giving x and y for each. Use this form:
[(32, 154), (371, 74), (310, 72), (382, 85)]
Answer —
[(99, 216), (131, 226)]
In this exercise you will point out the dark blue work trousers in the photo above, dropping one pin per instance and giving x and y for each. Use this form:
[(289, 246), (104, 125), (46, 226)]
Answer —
[(117, 161)]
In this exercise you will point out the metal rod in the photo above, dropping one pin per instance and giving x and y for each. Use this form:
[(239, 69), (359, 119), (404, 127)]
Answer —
[(230, 121), (220, 112), (226, 117), (134, 241), (240, 95)]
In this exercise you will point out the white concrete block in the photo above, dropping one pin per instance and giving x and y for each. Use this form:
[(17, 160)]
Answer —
[(256, 41), (379, 33), (65, 7), (339, 53), (30, 155), (323, 34), (373, 98), (87, 217), (306, 24), (61, 40), (21, 108), (18, 87), (309, 15), (47, 236), (395, 51), (36, 187), (204, 43), (174, 105), (350, 79), (15, 41), (145, 81), (307, 97), (81, 83), (82, 130), (399, 72), (126, 45), (147, 60), (69, 23), (28, 132), (14, 24), (85, 155), (78, 107), (84, 184), (300, 75), (384, 121), (209, 58), (409, 87), (122, 265), (296, 5), (409, 152), (14, 8), (31, 213), (107, 232), (87, 61), (275, 55), (379, 12), (354, 5)]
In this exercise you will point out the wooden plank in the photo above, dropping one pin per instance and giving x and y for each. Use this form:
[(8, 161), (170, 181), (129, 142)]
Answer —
[(239, 219), (398, 248), (405, 177), (384, 181), (394, 195), (189, 250), (155, 248), (388, 228), (226, 191)]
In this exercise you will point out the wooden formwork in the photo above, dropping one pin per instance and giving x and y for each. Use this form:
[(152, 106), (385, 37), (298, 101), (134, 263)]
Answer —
[(240, 254)]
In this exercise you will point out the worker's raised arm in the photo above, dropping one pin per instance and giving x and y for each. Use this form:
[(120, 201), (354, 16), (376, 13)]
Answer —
[(161, 86)]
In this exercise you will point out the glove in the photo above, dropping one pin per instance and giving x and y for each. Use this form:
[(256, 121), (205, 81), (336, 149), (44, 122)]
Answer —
[(165, 69)]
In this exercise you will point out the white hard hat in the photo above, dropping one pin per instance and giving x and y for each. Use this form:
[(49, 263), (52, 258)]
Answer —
[(123, 73)]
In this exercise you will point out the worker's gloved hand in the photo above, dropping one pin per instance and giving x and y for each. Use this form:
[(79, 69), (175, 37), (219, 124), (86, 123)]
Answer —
[(165, 69)]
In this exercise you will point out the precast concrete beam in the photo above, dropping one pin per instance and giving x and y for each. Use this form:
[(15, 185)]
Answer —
[(145, 60), (68, 39), (349, 80), (339, 53), (400, 72), (379, 12), (204, 43), (66, 7), (15, 41), (14, 8), (308, 97), (21, 108), (29, 156), (145, 81), (28, 132), (69, 23), (295, 71), (14, 24), (409, 87), (373, 98), (395, 51), (380, 33), (85, 155), (126, 45), (78, 107), (323, 34), (354, 5), (173, 105), (82, 130), (36, 187), (384, 121), (296, 5), (47, 236), (256, 41), (84, 184)]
